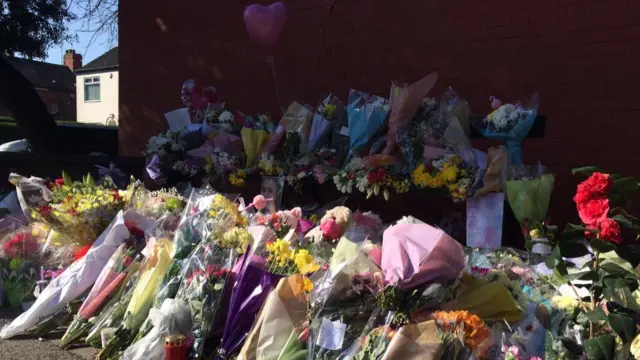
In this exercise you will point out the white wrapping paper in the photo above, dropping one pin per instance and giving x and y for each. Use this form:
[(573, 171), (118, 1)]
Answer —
[(74, 281), (173, 317)]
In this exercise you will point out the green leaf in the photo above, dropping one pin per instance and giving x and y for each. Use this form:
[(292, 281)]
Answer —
[(582, 275), (572, 231), (67, 179), (624, 326), (90, 181), (600, 348), (596, 315), (601, 246), (573, 249), (612, 263), (586, 170), (554, 259), (619, 293), (626, 186)]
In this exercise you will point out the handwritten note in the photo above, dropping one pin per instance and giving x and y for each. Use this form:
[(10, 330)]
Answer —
[(484, 221), (178, 119), (331, 334)]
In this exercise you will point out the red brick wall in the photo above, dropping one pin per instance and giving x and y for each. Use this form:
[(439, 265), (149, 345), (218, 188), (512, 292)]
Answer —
[(583, 56)]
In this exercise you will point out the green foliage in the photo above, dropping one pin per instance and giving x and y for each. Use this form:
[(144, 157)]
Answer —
[(30, 28), (600, 348)]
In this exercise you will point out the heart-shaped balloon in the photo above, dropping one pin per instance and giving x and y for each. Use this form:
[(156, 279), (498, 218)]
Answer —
[(265, 24)]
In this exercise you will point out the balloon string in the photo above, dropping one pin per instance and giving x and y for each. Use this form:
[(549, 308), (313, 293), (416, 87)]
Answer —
[(275, 81)]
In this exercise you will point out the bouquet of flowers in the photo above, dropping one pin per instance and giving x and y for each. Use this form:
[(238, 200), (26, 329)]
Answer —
[(510, 123), (254, 135), (326, 163), (107, 284), (171, 318), (219, 119), (205, 276), (325, 114), (281, 222), (529, 192), (344, 301), (367, 115), (155, 204), (79, 210), (155, 268), (269, 166), (405, 102), (294, 128), (19, 262), (463, 334), (380, 176), (74, 281), (252, 285), (197, 99), (112, 313), (446, 171), (346, 179)]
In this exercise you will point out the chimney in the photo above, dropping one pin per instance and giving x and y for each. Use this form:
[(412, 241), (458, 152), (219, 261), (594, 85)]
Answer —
[(72, 60)]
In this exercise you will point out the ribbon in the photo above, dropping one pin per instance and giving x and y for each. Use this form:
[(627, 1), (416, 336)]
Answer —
[(118, 177), (153, 168)]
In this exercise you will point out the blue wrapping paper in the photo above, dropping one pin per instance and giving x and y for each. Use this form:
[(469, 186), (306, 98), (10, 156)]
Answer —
[(366, 115), (513, 139)]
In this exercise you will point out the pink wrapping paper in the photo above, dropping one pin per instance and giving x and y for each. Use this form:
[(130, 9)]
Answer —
[(226, 142), (414, 254)]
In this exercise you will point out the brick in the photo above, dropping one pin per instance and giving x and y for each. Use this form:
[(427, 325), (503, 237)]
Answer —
[(504, 31)]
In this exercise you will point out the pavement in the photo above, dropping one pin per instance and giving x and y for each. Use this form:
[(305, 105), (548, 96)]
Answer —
[(26, 347)]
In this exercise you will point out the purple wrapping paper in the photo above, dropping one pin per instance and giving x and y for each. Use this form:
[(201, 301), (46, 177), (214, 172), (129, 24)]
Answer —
[(415, 254), (249, 294)]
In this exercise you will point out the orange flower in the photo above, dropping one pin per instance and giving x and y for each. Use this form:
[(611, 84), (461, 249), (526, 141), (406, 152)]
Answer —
[(465, 325)]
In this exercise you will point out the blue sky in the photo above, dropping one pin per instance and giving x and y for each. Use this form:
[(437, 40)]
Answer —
[(99, 46)]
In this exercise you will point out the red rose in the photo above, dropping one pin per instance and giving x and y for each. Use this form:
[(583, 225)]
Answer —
[(582, 195), (593, 211), (610, 231), (59, 182), (596, 185), (591, 234)]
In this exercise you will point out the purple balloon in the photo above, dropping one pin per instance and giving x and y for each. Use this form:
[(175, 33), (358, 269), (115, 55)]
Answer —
[(265, 23)]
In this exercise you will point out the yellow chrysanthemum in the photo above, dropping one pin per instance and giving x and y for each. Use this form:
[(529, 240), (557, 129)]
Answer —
[(305, 262), (307, 285)]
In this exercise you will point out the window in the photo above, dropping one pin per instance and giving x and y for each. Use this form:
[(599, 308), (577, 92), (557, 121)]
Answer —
[(92, 89)]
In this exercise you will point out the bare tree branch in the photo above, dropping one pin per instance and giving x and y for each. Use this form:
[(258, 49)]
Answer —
[(100, 18)]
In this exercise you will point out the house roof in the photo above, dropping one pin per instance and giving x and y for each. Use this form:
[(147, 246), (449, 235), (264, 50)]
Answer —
[(104, 62), (45, 75)]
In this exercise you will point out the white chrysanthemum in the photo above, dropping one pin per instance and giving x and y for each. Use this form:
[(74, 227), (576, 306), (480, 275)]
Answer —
[(226, 117)]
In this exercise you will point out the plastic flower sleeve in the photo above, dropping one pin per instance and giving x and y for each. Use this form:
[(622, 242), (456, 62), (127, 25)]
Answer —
[(113, 312), (376, 336), (511, 124), (172, 318), (20, 264), (155, 268), (366, 115), (202, 289), (341, 304), (74, 281), (405, 101), (529, 191), (415, 254), (283, 312), (253, 141), (419, 341)]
